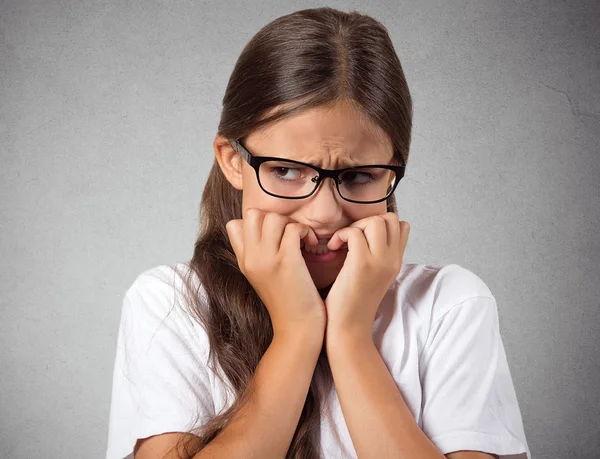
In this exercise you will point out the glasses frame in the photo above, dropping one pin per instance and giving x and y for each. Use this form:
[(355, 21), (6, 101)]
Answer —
[(256, 161)]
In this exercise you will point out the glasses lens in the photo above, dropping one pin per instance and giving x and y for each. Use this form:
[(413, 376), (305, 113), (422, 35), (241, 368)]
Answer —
[(366, 183), (293, 180), (287, 179)]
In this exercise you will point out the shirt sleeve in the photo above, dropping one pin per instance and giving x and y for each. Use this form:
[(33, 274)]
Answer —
[(160, 379), (469, 401)]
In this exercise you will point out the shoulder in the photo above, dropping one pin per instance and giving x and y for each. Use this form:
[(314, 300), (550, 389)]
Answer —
[(161, 296), (431, 291), (165, 278)]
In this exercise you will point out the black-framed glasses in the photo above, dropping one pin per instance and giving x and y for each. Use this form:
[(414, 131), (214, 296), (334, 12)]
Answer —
[(290, 179)]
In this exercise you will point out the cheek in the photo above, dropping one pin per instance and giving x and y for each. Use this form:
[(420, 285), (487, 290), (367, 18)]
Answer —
[(254, 197), (360, 211)]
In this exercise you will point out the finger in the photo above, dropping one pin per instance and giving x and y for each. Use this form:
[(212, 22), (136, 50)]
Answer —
[(354, 237), (335, 242), (272, 232), (253, 222), (310, 238), (276, 230), (376, 235), (404, 233), (235, 232), (293, 235), (393, 231)]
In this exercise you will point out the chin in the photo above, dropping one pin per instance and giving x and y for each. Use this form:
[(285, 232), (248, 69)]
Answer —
[(324, 278), (324, 275)]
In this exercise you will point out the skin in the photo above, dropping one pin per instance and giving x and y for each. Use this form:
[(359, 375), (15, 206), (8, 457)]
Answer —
[(377, 416), (331, 138)]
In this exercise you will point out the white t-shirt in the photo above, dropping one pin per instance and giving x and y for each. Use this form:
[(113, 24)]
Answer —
[(436, 329)]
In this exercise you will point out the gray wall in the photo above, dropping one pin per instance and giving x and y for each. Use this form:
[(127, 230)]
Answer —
[(108, 112)]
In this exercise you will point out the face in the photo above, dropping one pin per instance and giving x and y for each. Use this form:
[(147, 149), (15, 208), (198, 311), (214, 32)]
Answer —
[(330, 138)]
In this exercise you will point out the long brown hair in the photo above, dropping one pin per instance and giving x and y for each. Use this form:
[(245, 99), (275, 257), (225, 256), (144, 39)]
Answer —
[(311, 58)]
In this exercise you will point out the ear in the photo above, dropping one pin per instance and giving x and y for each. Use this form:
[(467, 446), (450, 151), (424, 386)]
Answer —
[(229, 161)]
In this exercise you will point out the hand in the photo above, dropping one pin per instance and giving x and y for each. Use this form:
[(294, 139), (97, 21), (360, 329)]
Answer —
[(267, 248), (376, 247)]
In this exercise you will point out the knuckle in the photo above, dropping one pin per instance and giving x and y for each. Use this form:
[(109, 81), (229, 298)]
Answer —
[(271, 218), (231, 225), (293, 227), (364, 264), (385, 217), (252, 212)]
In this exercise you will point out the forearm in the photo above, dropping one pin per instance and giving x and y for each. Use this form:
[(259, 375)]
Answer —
[(378, 419), (265, 427)]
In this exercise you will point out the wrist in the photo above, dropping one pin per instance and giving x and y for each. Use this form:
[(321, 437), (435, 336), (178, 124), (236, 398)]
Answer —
[(347, 339), (308, 334)]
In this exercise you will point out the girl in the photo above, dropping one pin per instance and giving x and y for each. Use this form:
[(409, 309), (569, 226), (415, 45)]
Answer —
[(295, 331)]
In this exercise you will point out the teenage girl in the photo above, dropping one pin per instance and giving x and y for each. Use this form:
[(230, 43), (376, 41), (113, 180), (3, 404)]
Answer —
[(296, 330)]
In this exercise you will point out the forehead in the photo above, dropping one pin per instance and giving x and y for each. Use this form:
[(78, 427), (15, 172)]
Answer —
[(324, 135)]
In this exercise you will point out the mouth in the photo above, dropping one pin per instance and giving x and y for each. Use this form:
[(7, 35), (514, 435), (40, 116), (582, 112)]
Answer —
[(320, 253), (319, 249)]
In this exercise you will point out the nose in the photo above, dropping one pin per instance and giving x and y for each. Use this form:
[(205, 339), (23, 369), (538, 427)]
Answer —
[(325, 204)]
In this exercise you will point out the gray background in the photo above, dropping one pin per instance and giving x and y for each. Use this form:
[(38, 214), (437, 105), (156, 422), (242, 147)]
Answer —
[(108, 112)]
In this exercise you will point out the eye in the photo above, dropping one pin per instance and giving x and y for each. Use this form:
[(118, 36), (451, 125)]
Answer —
[(281, 172), (356, 177)]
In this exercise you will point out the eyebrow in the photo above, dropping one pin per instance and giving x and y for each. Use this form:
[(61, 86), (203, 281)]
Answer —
[(343, 164)]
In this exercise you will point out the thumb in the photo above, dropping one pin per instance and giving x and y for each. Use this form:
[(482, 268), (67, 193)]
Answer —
[(235, 231)]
